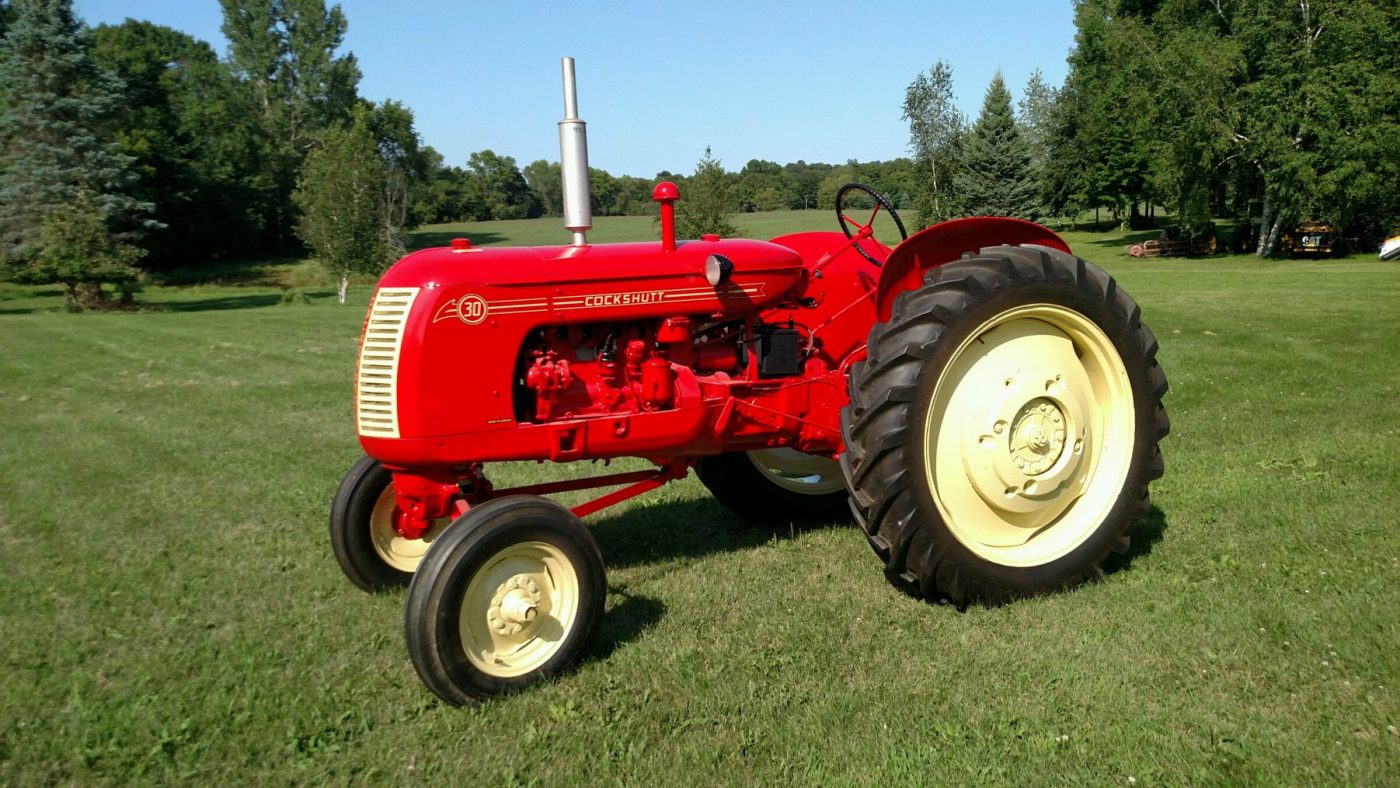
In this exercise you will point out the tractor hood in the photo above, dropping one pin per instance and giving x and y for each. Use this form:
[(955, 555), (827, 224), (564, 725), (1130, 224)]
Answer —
[(764, 270)]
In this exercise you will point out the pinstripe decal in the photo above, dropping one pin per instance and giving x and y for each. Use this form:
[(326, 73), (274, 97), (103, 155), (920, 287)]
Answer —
[(473, 309)]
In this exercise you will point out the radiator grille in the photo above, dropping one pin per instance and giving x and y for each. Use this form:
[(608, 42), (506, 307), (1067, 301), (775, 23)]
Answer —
[(376, 381)]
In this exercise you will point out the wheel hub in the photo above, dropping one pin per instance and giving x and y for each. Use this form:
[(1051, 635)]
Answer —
[(1031, 427), (1024, 401), (515, 605), (1037, 436), (518, 607)]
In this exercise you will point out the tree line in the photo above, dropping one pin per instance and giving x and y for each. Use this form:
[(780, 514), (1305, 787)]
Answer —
[(138, 145), (1276, 112)]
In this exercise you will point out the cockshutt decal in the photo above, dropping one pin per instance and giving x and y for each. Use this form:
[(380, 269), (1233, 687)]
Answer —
[(472, 309), (622, 299)]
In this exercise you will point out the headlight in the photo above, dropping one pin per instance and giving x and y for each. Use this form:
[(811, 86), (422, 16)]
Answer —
[(718, 269)]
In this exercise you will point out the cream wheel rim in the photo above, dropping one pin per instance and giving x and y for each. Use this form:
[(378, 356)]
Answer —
[(402, 554), (1030, 435), (518, 608), (795, 471)]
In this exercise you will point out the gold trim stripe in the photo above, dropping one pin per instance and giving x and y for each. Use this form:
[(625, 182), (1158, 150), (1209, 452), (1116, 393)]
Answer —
[(664, 296)]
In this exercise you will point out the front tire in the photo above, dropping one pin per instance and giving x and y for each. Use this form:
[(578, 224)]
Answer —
[(366, 544), (507, 597), (1004, 428)]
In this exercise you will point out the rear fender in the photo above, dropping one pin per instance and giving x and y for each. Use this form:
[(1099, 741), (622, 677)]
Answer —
[(946, 242)]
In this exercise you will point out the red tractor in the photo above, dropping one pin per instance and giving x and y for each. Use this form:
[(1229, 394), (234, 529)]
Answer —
[(983, 404)]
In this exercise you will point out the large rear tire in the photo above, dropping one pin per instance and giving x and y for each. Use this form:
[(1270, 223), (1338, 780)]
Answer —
[(507, 597), (1004, 427), (776, 485)]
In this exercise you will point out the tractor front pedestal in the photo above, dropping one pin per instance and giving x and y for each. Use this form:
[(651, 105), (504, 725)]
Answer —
[(426, 496)]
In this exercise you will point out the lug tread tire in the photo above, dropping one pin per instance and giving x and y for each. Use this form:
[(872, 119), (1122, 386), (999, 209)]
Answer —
[(351, 509), (432, 607), (884, 415)]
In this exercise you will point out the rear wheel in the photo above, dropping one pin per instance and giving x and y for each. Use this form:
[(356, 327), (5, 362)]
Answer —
[(507, 597), (364, 534), (776, 485), (1004, 428)]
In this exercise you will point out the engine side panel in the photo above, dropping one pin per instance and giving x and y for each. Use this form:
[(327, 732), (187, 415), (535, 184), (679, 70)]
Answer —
[(457, 369)]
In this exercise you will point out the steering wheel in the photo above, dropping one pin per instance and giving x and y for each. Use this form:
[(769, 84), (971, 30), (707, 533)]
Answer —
[(867, 230)]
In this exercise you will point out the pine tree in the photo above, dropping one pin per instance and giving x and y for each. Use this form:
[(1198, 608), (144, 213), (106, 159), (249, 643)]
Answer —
[(995, 178), (341, 197), (57, 143), (707, 202), (1037, 108)]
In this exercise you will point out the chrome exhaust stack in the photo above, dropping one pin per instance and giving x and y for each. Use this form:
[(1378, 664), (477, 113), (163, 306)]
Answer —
[(573, 162)]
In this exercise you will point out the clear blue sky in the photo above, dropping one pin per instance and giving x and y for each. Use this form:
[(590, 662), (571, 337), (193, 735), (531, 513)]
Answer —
[(659, 81)]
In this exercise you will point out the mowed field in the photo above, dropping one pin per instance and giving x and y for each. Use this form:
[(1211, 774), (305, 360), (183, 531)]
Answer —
[(170, 610)]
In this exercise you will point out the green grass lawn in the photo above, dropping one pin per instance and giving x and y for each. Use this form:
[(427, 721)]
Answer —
[(170, 609)]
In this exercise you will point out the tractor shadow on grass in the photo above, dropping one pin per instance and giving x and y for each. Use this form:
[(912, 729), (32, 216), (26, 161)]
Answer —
[(251, 301), (666, 530), (669, 530), (662, 532), (625, 622), (1145, 533)]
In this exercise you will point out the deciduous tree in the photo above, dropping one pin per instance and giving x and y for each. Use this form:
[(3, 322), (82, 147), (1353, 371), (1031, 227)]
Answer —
[(764, 186), (193, 148), (935, 130), (286, 53), (498, 188), (341, 197), (1319, 111), (1099, 156), (405, 168), (544, 179), (1296, 105), (76, 250)]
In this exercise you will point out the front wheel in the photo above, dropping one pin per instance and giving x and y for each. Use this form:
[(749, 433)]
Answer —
[(1004, 427), (364, 532), (507, 597)]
